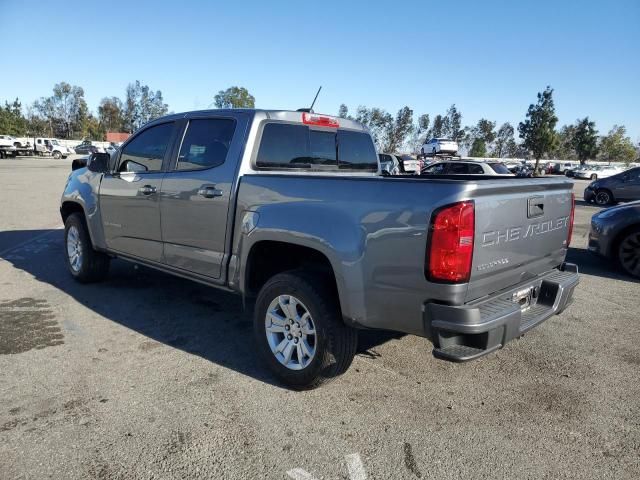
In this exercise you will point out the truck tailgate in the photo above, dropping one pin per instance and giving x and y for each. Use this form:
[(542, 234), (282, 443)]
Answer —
[(521, 231)]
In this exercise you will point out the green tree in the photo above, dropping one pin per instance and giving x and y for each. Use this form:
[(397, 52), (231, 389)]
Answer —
[(142, 105), (110, 114), (479, 148), (234, 97), (564, 146), (538, 130), (399, 130), (617, 147), (585, 140), (438, 128), (343, 111), (484, 130), (452, 124), (12, 122), (93, 129), (505, 144)]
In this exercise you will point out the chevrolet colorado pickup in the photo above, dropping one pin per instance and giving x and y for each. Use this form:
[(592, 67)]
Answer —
[(289, 209)]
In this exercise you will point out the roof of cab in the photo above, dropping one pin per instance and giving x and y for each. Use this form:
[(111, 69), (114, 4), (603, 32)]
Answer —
[(282, 115)]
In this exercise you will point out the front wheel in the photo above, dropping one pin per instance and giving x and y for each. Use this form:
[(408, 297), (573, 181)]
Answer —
[(594, 176), (299, 330), (57, 155), (85, 264)]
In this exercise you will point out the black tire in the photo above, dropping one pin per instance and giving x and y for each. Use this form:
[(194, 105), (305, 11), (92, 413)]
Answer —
[(594, 176), (335, 344), (93, 265), (57, 155), (627, 252), (603, 197), (433, 152)]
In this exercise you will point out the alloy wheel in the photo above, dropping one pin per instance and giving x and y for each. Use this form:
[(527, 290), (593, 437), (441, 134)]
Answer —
[(74, 249), (291, 332)]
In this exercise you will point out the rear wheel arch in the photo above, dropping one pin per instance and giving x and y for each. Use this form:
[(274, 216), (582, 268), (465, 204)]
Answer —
[(268, 258)]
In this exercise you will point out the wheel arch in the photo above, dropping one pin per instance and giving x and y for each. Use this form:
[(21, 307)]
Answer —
[(268, 257)]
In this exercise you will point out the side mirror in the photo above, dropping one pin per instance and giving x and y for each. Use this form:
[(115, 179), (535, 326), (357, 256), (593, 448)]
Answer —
[(98, 162)]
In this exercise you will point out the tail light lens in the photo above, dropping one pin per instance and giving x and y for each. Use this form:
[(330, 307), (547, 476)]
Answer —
[(571, 215), (451, 243)]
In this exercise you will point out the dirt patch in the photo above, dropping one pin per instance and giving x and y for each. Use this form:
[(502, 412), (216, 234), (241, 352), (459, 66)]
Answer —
[(27, 324), (410, 461)]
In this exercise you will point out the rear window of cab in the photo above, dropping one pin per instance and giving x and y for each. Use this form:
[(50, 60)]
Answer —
[(287, 146)]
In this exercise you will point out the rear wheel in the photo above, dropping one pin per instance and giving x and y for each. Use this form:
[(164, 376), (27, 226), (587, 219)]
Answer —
[(603, 197), (85, 264), (629, 253), (300, 332)]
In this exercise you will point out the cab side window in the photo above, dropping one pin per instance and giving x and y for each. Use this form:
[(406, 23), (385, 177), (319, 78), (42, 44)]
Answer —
[(206, 143), (145, 153)]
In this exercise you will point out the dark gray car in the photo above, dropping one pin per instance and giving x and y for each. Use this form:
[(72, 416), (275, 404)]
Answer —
[(624, 186), (615, 234)]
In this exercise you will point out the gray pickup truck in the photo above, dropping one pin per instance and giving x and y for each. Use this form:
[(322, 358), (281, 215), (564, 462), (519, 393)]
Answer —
[(290, 209)]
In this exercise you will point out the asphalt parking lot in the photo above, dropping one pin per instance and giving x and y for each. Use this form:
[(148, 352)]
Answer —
[(147, 376)]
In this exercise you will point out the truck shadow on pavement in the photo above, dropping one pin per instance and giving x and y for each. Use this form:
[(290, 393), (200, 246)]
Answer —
[(197, 319)]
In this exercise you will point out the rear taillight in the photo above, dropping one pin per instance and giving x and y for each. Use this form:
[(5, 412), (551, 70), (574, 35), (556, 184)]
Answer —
[(450, 247), (571, 215), (320, 120)]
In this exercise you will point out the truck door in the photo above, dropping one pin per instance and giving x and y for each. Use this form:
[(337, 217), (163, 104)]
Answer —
[(129, 194), (196, 193)]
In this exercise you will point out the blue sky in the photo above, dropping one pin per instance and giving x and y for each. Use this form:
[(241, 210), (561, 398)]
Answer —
[(490, 58)]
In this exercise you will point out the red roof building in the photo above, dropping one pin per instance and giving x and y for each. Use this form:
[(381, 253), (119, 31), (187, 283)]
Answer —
[(117, 137)]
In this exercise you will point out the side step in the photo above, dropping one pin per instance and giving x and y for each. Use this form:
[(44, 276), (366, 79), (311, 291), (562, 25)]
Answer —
[(462, 353)]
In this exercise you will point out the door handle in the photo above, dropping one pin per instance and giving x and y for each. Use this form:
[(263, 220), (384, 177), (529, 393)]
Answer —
[(147, 190), (209, 192)]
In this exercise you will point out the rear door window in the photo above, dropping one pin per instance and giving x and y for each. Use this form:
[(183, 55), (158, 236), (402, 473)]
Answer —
[(206, 143)]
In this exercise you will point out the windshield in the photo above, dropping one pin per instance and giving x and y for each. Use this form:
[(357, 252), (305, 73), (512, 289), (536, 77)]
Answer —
[(54, 142)]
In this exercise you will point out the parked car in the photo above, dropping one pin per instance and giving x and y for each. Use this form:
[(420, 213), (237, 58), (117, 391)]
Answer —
[(615, 234), (391, 164), (437, 146), (467, 167), (87, 147), (624, 186), (594, 172), (304, 225), (410, 163)]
